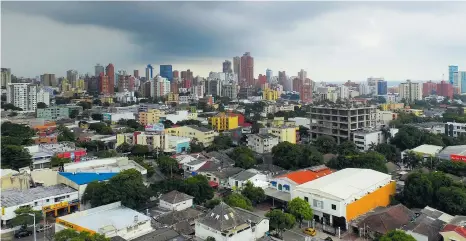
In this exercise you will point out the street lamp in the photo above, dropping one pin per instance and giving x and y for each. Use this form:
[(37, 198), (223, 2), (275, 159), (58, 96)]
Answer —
[(34, 216)]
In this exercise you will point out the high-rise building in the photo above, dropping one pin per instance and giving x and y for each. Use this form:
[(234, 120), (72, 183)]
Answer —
[(187, 76), (227, 67), (410, 91), (452, 69), (166, 71), (99, 69), (72, 76), (6, 77), (302, 75), (247, 70), (269, 75), (230, 91), (125, 83), (176, 74), (445, 89), (43, 96), (174, 86), (48, 80), (160, 87), (22, 95), (297, 84), (110, 72), (462, 80), (261, 80), (136, 73), (283, 80), (237, 67), (104, 85), (382, 87), (149, 72), (305, 93), (429, 88), (92, 84)]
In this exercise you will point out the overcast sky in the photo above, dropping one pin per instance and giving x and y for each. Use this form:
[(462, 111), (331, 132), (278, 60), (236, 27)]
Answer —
[(332, 41)]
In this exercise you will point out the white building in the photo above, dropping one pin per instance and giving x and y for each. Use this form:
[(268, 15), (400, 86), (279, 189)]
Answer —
[(346, 194), (179, 115), (37, 198), (230, 91), (257, 178), (301, 121), (384, 117), (393, 98), (115, 117), (198, 90), (109, 220), (43, 96), (160, 86), (22, 95), (364, 89), (231, 224), (343, 92), (365, 139), (410, 91), (262, 143), (454, 129), (176, 201)]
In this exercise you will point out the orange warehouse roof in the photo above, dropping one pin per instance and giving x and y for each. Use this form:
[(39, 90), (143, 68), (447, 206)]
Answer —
[(304, 176)]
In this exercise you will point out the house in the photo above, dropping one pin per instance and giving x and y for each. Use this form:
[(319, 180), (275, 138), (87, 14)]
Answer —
[(218, 177), (176, 201), (344, 195), (455, 229), (281, 186), (226, 223), (257, 178), (262, 143), (180, 221), (428, 224)]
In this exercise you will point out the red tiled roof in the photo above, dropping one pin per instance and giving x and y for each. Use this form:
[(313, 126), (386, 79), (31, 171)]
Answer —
[(457, 229), (304, 176)]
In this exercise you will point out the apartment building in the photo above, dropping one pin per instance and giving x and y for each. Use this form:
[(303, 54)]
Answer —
[(454, 129), (262, 143), (365, 139), (410, 91), (154, 140), (22, 95), (201, 134), (222, 122), (341, 121), (151, 116), (53, 113)]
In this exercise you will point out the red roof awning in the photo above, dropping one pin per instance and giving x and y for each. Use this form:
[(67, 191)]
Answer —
[(213, 184)]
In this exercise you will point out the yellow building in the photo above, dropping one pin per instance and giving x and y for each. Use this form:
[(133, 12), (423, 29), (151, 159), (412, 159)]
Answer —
[(416, 112), (269, 94), (12, 179), (172, 98), (392, 106), (284, 133), (65, 85), (108, 99), (150, 117), (223, 122), (201, 134), (80, 85)]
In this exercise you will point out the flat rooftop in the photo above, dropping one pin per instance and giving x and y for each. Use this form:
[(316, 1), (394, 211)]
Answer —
[(15, 197), (110, 216), (105, 165), (428, 149), (345, 183)]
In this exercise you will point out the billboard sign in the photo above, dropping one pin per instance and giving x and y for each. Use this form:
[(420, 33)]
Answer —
[(458, 158), (155, 127)]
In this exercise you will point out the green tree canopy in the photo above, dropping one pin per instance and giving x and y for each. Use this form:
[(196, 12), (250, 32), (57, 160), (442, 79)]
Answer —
[(23, 219), (300, 209), (255, 194), (293, 156), (58, 161), (168, 165), (244, 157), (15, 157), (221, 142), (41, 105), (326, 144), (140, 150), (238, 200), (279, 221), (418, 190), (65, 134), (347, 148), (72, 235), (397, 235), (389, 151), (101, 128), (196, 186), (370, 160)]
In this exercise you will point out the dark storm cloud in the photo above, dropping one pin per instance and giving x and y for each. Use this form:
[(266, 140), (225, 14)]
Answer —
[(189, 29)]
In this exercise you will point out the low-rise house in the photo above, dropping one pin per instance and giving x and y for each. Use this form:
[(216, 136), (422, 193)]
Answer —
[(226, 223), (428, 224), (218, 176), (180, 221), (455, 229), (257, 178), (175, 201)]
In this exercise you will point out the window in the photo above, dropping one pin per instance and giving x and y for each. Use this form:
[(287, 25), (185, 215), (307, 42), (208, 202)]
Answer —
[(35, 203), (306, 199), (334, 207)]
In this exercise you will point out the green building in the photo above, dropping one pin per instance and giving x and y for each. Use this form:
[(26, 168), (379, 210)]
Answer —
[(53, 113)]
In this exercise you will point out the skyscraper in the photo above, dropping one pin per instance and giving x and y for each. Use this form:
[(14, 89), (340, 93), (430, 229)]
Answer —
[(110, 72), (410, 91), (227, 67), (6, 77), (237, 67), (462, 80), (381, 87), (99, 69), (149, 72), (22, 95), (247, 70), (282, 79), (186, 79), (48, 80), (269, 75), (452, 69), (104, 85), (136, 73), (166, 71), (72, 77)]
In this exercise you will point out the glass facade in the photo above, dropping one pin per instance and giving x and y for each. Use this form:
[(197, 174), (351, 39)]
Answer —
[(382, 87), (166, 71), (452, 69)]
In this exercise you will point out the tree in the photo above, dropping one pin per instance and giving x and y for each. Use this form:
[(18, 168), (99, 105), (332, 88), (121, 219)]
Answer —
[(238, 200), (397, 235), (64, 134), (255, 194), (167, 123), (300, 209), (198, 187), (140, 150), (23, 219), (452, 200), (412, 160), (41, 105), (72, 235), (212, 203), (17, 131), (309, 156), (97, 116), (210, 238), (58, 161), (255, 127), (195, 147), (244, 157), (370, 160), (107, 153), (124, 148), (286, 155), (168, 165), (389, 151), (101, 128), (326, 144), (10, 106), (417, 191), (86, 105), (74, 113), (15, 157), (279, 221), (220, 142), (97, 102)]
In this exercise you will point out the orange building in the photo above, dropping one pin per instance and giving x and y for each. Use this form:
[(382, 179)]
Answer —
[(344, 195)]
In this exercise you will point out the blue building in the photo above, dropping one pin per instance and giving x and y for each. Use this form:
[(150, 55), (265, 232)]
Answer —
[(452, 69), (149, 72), (382, 87), (462, 80), (166, 72), (269, 74)]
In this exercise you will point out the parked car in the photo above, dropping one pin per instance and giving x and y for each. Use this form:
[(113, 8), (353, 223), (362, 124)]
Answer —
[(310, 231), (23, 232), (42, 227)]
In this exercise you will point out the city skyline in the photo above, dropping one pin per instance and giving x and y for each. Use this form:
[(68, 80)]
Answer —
[(339, 42)]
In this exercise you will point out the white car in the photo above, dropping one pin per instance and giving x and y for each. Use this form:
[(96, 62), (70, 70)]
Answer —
[(42, 228)]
